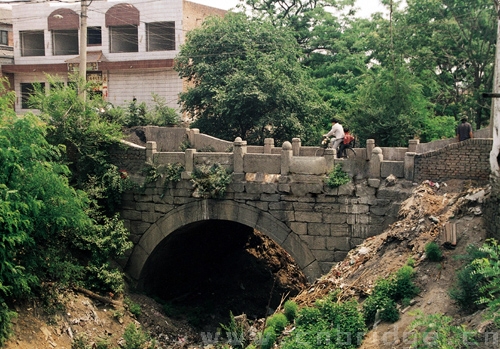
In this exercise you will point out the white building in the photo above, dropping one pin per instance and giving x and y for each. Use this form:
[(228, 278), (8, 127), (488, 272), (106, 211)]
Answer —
[(131, 46)]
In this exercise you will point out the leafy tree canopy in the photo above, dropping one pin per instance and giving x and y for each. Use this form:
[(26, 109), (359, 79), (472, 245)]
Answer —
[(390, 108), (450, 46), (246, 81), (51, 234)]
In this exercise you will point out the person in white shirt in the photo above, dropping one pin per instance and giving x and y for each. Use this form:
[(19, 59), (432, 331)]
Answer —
[(337, 132)]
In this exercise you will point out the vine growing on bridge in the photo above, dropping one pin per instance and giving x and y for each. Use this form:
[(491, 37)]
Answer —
[(210, 181)]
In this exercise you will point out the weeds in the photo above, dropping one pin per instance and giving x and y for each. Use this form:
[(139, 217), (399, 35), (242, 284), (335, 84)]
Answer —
[(433, 252), (388, 291), (466, 291), (291, 310), (436, 331), (328, 324), (337, 177), (133, 307), (235, 332), (210, 181), (136, 338)]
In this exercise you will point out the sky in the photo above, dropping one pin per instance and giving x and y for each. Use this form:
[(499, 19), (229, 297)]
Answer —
[(367, 7)]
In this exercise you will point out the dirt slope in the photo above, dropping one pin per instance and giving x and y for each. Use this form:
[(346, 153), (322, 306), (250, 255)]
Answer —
[(422, 218)]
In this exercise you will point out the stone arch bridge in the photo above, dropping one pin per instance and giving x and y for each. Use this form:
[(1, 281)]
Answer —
[(280, 192)]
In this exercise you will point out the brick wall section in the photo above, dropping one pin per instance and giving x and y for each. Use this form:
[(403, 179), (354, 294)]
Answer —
[(463, 160)]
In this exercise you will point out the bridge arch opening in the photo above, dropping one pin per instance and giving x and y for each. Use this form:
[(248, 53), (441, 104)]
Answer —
[(208, 268)]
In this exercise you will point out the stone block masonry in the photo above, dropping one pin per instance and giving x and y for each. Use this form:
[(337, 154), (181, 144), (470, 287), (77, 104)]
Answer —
[(462, 160), (282, 193), (317, 228)]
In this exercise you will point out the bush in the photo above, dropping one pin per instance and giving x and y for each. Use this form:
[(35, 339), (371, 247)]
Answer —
[(268, 338), (235, 332), (161, 114), (436, 331), (433, 252), (387, 292), (328, 324), (466, 291), (135, 338), (133, 307), (6, 316), (278, 321), (337, 177), (489, 268), (210, 181), (290, 310)]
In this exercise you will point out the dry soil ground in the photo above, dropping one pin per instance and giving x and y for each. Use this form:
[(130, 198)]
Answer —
[(422, 218)]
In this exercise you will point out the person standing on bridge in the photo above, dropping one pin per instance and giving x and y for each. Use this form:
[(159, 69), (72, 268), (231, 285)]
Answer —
[(337, 132), (464, 130)]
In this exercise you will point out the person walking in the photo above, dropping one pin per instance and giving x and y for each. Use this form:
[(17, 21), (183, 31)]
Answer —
[(337, 132), (464, 130)]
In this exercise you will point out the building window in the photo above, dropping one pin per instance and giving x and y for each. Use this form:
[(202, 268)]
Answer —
[(27, 90), (4, 37), (32, 43), (94, 37), (64, 42), (123, 39), (160, 36)]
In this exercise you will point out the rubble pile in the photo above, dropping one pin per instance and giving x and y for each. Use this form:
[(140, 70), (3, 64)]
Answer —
[(422, 218)]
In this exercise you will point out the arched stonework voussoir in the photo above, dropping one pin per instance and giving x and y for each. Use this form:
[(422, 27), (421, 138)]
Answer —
[(221, 210)]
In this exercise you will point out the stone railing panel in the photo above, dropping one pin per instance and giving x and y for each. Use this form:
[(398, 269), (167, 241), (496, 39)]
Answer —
[(395, 168), (394, 153), (170, 158), (262, 163), (208, 159), (203, 141), (168, 139)]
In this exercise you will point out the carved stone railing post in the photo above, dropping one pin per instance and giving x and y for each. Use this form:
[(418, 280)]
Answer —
[(188, 163), (150, 150), (370, 144), (329, 156), (409, 165), (412, 145), (286, 158), (191, 133), (296, 143), (268, 145), (375, 165), (239, 151)]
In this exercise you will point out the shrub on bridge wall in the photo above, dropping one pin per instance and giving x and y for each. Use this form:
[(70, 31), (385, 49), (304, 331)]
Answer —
[(170, 172), (210, 181), (337, 177)]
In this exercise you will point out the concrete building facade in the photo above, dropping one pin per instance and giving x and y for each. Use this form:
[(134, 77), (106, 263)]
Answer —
[(131, 46)]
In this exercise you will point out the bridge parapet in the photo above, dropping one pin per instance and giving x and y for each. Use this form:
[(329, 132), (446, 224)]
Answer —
[(281, 192), (374, 163)]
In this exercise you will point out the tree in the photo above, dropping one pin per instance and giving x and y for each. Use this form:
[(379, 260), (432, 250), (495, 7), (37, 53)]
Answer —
[(298, 15), (246, 81), (390, 108), (51, 234), (449, 45), (87, 133)]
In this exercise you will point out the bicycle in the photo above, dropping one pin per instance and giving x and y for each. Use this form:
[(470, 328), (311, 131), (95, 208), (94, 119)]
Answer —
[(343, 150)]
